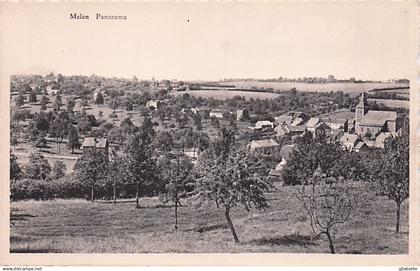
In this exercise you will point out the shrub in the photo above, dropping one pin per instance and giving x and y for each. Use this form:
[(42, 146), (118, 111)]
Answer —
[(65, 187)]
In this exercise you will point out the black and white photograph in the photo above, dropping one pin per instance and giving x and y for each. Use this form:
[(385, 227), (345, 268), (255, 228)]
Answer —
[(208, 127)]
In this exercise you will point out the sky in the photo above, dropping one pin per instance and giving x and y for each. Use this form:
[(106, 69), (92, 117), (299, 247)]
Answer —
[(209, 40)]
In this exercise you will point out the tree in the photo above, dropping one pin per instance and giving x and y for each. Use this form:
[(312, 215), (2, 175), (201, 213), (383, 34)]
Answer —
[(178, 184), (70, 104), (32, 97), (214, 122), (390, 172), (164, 140), (230, 176), (15, 170), (58, 103), (117, 174), (58, 170), (41, 141), (91, 170), (44, 102), (308, 155), (59, 129), (197, 122), (38, 167), (99, 98), (20, 100), (114, 105), (140, 161), (73, 139), (329, 198)]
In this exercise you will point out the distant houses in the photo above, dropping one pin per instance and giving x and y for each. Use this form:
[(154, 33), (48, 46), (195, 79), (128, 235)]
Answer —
[(92, 145), (263, 145), (242, 114), (51, 91), (380, 139), (263, 124), (285, 152), (153, 104), (219, 113)]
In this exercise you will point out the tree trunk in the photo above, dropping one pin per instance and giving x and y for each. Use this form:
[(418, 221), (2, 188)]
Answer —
[(332, 250), (232, 229), (137, 195), (176, 213), (114, 192), (92, 194), (397, 226)]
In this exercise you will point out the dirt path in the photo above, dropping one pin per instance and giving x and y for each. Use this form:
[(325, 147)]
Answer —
[(25, 154)]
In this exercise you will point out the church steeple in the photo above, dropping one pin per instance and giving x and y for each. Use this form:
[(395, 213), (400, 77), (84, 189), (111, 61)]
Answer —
[(360, 111), (362, 101)]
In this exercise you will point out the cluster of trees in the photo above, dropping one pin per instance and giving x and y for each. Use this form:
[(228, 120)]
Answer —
[(330, 181), (37, 168)]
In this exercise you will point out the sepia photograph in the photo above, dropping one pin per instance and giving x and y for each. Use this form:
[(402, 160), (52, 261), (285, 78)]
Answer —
[(217, 127)]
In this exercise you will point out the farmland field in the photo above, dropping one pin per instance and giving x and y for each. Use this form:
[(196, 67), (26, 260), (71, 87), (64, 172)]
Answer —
[(79, 226), (345, 87), (225, 94), (392, 103)]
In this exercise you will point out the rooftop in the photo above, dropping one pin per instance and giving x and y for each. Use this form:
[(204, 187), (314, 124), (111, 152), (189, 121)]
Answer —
[(378, 118), (348, 138), (286, 151), (265, 143), (93, 142), (312, 122)]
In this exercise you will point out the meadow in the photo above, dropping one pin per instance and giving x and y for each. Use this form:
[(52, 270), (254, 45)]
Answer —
[(229, 94), (352, 88), (79, 226), (392, 103)]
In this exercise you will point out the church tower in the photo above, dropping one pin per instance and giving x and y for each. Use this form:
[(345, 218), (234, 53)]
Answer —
[(361, 110)]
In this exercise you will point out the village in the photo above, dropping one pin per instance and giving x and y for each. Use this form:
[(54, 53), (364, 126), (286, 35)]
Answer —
[(367, 129), (118, 140)]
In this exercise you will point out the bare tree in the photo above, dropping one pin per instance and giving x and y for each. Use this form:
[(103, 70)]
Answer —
[(328, 202)]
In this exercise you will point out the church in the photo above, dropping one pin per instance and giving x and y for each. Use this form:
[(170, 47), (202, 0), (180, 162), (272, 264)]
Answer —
[(373, 122)]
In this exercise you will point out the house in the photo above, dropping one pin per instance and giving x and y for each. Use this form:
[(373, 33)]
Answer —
[(262, 124), (373, 122), (312, 124), (152, 104), (93, 145), (361, 147), (291, 118), (285, 152), (336, 134), (242, 114), (263, 145), (96, 92), (316, 124), (297, 121), (192, 154), (336, 124), (201, 110), (380, 139), (282, 130), (351, 125), (349, 141), (283, 120), (219, 113), (51, 91)]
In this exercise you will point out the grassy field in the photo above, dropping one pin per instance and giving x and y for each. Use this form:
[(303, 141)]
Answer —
[(345, 87), (392, 103), (78, 226), (225, 94)]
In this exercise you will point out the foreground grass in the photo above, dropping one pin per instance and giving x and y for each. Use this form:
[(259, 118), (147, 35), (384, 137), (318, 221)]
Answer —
[(78, 226)]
